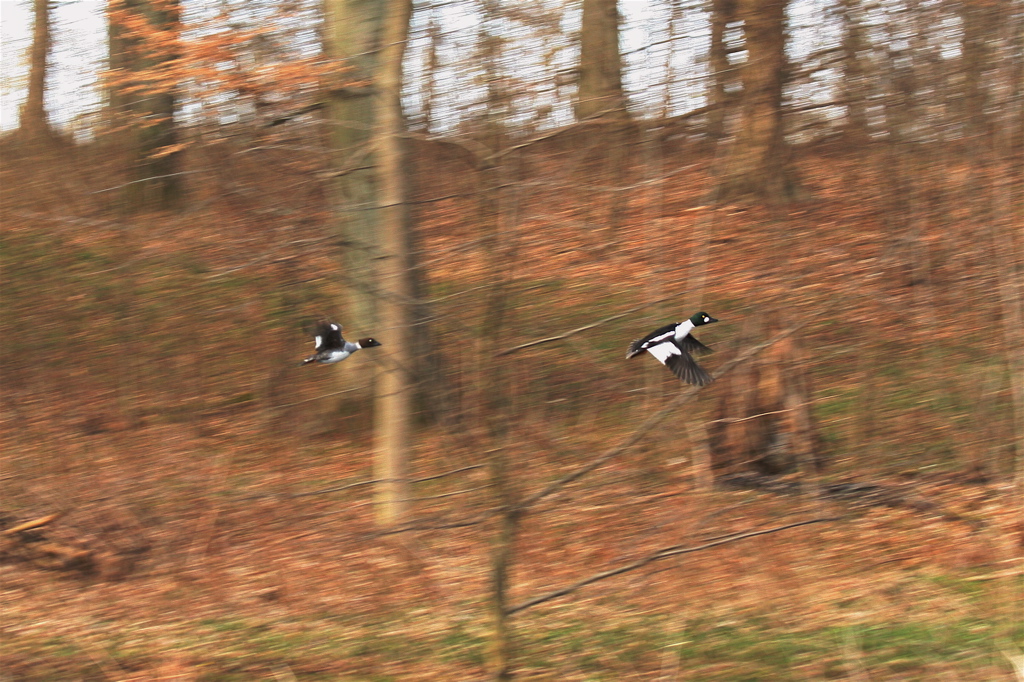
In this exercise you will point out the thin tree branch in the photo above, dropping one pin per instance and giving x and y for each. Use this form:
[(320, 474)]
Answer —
[(359, 484), (451, 525), (294, 114), (573, 332), (664, 553), (150, 178), (454, 493)]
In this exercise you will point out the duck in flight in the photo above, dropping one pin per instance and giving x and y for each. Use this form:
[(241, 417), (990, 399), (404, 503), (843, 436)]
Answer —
[(673, 345), (330, 347)]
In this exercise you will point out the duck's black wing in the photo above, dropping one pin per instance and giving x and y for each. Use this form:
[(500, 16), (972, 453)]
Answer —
[(327, 336), (658, 336), (666, 334), (693, 345), (686, 368)]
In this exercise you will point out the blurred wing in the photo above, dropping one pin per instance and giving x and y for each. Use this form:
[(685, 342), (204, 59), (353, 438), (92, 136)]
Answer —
[(684, 367), (682, 364), (327, 336)]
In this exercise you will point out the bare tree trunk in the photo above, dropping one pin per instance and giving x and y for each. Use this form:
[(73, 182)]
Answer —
[(491, 416), (979, 26), (146, 110), (1008, 237), (600, 85), (722, 12), (855, 128), (435, 35), (501, 559), (394, 402), (34, 124), (758, 166)]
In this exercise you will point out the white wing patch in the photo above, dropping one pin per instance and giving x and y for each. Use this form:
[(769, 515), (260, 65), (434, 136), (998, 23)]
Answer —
[(663, 351), (317, 343), (683, 329), (664, 337)]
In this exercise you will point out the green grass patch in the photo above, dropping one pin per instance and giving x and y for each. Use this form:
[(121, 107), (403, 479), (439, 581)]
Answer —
[(330, 646)]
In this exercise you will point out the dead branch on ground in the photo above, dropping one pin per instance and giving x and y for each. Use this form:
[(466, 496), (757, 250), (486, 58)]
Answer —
[(664, 553)]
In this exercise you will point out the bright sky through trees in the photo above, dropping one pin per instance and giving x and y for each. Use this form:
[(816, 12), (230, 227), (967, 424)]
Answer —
[(80, 44)]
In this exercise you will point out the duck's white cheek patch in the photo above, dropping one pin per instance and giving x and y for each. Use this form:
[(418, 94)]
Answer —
[(663, 351)]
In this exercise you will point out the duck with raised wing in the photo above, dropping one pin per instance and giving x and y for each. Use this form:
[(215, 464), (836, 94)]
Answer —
[(330, 347), (673, 345)]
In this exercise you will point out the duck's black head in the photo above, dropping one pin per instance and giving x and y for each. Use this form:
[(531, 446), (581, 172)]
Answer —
[(702, 318), (368, 343)]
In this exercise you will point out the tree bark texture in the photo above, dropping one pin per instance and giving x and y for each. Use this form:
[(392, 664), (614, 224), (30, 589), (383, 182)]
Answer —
[(393, 406), (758, 165), (502, 553), (33, 123), (980, 25), (600, 85), (722, 12), (855, 128)]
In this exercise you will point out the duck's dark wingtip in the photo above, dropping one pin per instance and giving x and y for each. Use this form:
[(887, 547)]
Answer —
[(702, 378)]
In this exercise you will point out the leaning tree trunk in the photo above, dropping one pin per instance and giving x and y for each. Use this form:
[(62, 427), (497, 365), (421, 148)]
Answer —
[(763, 420), (394, 400), (758, 166), (142, 42)]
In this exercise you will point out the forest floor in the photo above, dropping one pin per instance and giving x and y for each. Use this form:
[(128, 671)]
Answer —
[(207, 577), (216, 552)]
